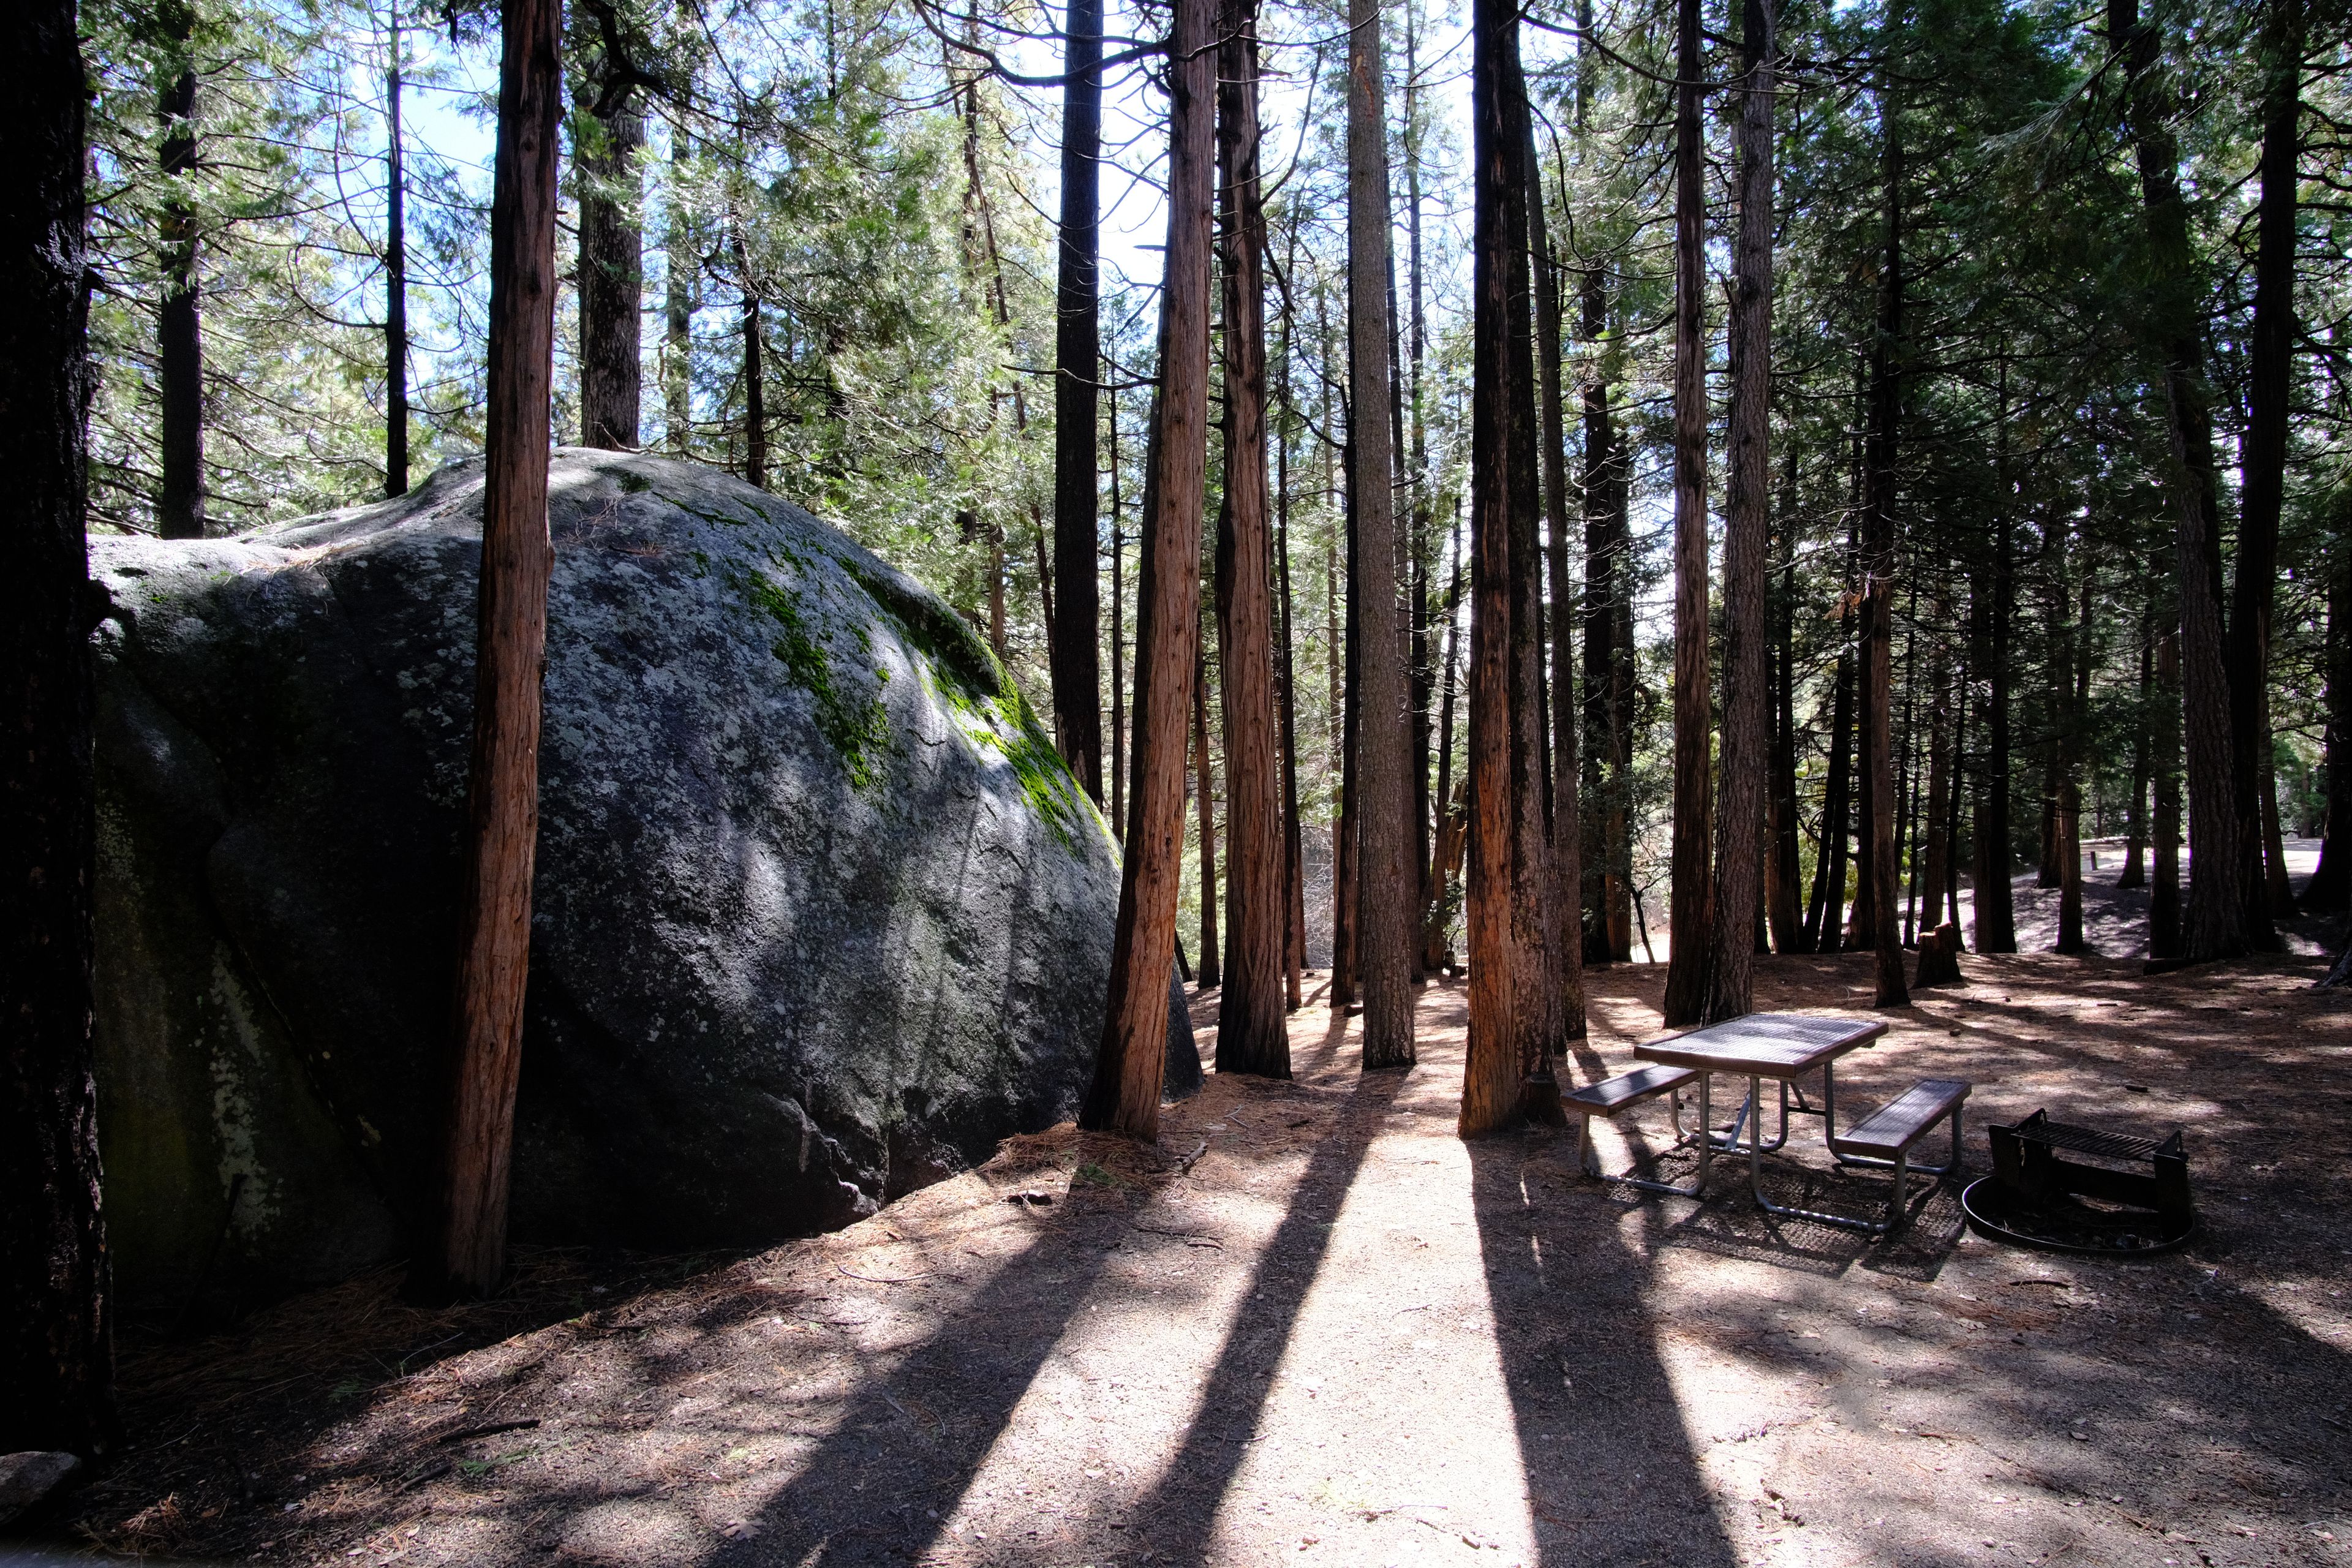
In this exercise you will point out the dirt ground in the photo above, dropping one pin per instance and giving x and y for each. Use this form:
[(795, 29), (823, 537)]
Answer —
[(1314, 1327)]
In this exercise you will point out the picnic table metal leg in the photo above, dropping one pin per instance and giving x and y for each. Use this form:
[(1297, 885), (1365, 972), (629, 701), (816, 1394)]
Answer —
[(1705, 1127), (1588, 1160), (1756, 1137), (1730, 1137), (1898, 1208), (1782, 1139), (1750, 1120), (1756, 1171)]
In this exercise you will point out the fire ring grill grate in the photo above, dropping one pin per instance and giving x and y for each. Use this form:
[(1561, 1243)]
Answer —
[(2035, 1199), (2039, 1128)]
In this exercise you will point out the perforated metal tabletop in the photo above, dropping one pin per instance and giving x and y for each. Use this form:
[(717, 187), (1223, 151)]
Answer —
[(1764, 1045)]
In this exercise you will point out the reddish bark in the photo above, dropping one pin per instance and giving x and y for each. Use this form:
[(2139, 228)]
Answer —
[(502, 785), (1129, 1062)]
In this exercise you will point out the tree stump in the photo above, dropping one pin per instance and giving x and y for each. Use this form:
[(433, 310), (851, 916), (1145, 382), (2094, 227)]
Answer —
[(1939, 957)]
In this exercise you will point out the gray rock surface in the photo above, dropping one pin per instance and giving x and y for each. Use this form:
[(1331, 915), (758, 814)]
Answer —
[(819, 916), (27, 1477)]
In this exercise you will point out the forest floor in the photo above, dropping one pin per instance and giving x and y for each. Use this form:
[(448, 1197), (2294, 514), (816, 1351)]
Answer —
[(1314, 1327)]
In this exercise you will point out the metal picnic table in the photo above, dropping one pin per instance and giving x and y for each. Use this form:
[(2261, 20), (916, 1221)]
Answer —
[(1781, 1045)]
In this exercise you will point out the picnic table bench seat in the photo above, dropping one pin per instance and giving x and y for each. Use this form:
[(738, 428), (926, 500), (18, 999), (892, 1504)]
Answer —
[(1894, 1127), (1614, 1094), (1611, 1095), (1884, 1137)]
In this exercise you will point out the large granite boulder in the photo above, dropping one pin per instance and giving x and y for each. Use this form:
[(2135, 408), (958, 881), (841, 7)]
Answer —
[(820, 914)]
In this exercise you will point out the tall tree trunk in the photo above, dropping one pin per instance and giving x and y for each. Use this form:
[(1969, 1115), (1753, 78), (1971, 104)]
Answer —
[(1342, 994), (1420, 696), (2070, 790), (179, 331), (1384, 874), (755, 390), (1957, 787), (2058, 670), (1502, 367), (1617, 830), (1294, 849), (1782, 888), (1421, 677), (1906, 780), (1045, 589), (1117, 641), (1602, 783), (1824, 922), (679, 291), (1077, 353), (2134, 871), (1691, 913), (2070, 866), (1746, 540), (1542, 983), (1450, 828), (1294, 858), (1878, 577), (993, 547), (56, 1337), (1941, 723), (1130, 1064), (1211, 973), (503, 783), (2330, 888), (1566, 848), (1251, 1035), (2269, 385), (2222, 832), (1608, 674), (2281, 891), (1334, 645), (1853, 931), (612, 276), (1608, 652), (2164, 886), (1994, 911), (1860, 926), (395, 276)]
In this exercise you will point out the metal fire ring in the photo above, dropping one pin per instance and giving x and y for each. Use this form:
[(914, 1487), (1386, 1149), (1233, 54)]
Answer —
[(1980, 1200)]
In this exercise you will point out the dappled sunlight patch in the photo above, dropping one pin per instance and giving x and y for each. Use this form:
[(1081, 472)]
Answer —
[(1386, 1420), (634, 1530)]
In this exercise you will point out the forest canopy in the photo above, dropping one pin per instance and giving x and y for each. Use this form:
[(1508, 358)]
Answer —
[(816, 246)]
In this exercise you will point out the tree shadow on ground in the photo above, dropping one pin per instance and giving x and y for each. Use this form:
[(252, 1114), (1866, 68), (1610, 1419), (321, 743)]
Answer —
[(1182, 1508), (1611, 1466), (865, 1493)]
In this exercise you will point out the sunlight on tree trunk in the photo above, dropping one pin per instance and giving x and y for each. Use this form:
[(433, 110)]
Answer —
[(1747, 542), (1691, 912), (1384, 878), (1128, 1065)]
